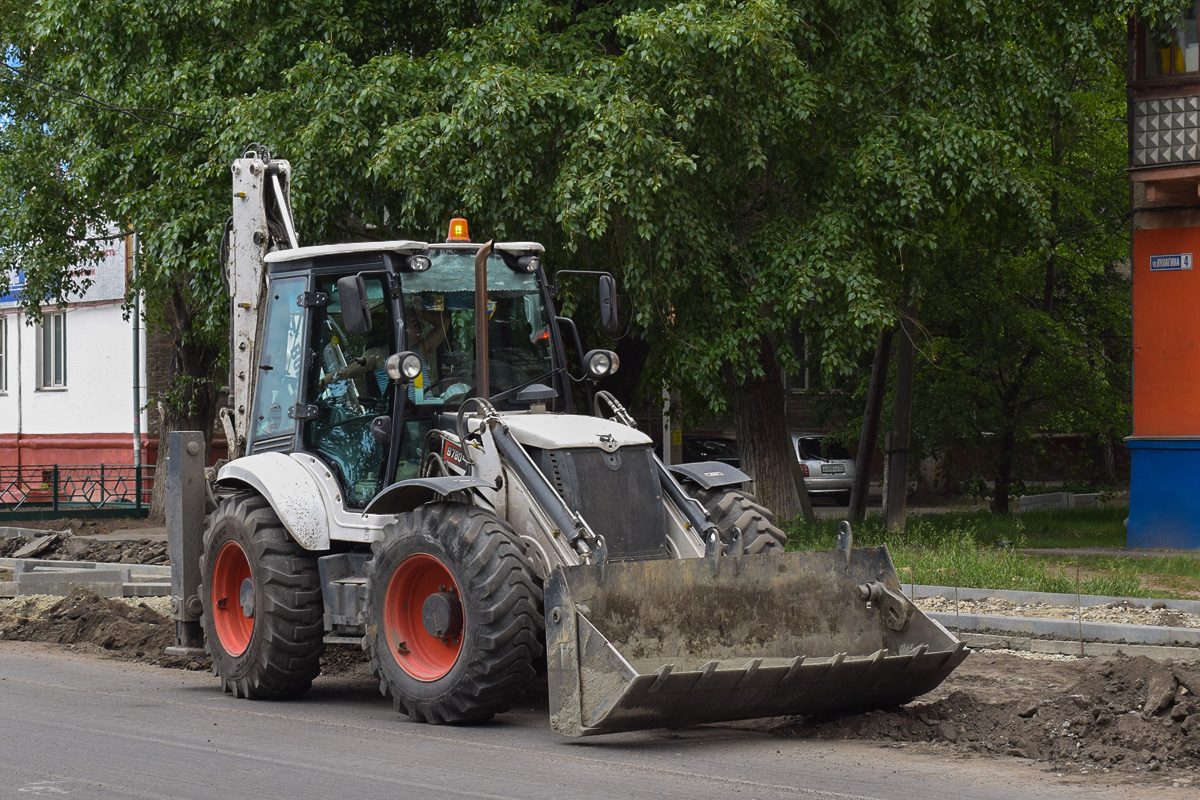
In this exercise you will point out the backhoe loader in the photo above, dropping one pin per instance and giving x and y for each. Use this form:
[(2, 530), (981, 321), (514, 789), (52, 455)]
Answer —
[(407, 474)]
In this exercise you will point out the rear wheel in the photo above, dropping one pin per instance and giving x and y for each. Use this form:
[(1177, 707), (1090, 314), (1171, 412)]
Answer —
[(263, 612), (728, 508), (452, 615)]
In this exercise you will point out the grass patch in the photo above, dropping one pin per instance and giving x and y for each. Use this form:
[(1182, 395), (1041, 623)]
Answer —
[(1073, 527), (1164, 576), (960, 549)]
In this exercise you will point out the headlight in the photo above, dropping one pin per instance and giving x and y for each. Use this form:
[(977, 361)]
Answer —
[(403, 366), (600, 363), (529, 263), (419, 263)]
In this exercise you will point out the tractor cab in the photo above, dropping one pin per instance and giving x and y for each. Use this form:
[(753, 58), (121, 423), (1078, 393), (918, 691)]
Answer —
[(334, 316)]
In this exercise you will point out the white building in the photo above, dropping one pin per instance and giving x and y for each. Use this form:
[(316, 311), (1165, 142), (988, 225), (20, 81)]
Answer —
[(67, 384)]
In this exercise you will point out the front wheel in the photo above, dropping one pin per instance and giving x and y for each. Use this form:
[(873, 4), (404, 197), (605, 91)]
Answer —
[(452, 618), (263, 612)]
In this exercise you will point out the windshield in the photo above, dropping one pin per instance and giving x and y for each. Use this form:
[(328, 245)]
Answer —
[(439, 325)]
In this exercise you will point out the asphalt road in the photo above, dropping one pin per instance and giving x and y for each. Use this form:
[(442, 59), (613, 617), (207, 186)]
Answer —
[(81, 725)]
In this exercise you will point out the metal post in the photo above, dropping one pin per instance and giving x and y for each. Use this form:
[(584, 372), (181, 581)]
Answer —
[(482, 373), (185, 531), (101, 484), (131, 246), (54, 488), (137, 486)]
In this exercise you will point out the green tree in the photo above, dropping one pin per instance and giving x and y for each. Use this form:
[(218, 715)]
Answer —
[(130, 114), (745, 166), (1037, 336)]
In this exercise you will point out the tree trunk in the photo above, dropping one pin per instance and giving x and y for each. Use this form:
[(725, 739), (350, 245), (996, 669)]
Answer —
[(870, 428), (1004, 469), (763, 441), (1107, 474), (897, 488), (793, 462), (190, 401)]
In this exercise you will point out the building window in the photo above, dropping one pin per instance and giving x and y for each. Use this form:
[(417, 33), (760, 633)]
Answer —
[(52, 351), (3, 355), (1173, 50)]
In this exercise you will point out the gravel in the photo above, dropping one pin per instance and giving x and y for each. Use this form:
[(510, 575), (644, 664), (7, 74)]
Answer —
[(1124, 613)]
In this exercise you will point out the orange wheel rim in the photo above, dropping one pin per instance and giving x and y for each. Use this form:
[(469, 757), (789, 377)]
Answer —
[(232, 619), (418, 652)]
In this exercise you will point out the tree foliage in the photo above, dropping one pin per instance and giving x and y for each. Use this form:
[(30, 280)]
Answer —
[(1038, 338), (746, 167)]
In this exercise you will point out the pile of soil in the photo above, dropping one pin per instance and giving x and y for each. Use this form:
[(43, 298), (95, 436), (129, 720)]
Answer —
[(1124, 715), (125, 631), (344, 659), (67, 547), (143, 551), (83, 617)]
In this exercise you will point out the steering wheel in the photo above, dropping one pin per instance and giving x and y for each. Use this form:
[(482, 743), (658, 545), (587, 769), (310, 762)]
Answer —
[(439, 387)]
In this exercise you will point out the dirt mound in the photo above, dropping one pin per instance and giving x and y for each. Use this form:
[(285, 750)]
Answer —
[(144, 551), (130, 632), (65, 547), (1118, 715), (83, 617)]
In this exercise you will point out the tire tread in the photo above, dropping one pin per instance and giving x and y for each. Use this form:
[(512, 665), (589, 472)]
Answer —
[(284, 655), (506, 601), (729, 507)]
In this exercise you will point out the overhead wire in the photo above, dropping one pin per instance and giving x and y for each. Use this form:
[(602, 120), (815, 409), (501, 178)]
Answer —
[(17, 77), (17, 71)]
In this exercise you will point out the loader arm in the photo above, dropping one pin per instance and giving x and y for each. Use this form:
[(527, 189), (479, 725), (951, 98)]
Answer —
[(261, 222)]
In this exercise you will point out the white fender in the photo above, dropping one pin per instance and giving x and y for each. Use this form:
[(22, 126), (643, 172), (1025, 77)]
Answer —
[(290, 489)]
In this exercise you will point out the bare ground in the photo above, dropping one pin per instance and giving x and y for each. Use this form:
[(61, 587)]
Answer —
[(1111, 719), (72, 543), (1118, 718), (1107, 721), (125, 630)]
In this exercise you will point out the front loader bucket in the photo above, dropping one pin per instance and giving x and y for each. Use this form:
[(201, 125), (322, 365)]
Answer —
[(646, 644)]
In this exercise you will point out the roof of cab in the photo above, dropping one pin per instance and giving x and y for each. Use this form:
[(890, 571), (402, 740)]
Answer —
[(403, 246), (394, 246)]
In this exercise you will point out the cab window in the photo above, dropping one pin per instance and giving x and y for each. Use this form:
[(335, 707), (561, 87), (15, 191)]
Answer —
[(349, 387)]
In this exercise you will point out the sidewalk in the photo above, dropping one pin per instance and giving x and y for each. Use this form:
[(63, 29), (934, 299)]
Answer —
[(1112, 552)]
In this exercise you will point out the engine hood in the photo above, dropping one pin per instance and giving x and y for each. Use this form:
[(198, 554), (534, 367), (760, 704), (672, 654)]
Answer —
[(556, 431)]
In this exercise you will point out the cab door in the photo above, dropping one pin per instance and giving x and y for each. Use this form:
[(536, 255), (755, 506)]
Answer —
[(348, 388)]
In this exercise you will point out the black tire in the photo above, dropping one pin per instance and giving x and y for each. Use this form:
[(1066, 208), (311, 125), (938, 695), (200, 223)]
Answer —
[(729, 507), (491, 662), (276, 653)]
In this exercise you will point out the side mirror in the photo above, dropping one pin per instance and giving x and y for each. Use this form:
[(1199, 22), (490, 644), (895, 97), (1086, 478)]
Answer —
[(608, 304), (356, 311)]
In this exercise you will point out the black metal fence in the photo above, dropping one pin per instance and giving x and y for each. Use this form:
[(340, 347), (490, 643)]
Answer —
[(40, 491)]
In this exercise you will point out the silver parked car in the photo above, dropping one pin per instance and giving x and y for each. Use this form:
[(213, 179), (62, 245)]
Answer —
[(827, 466)]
